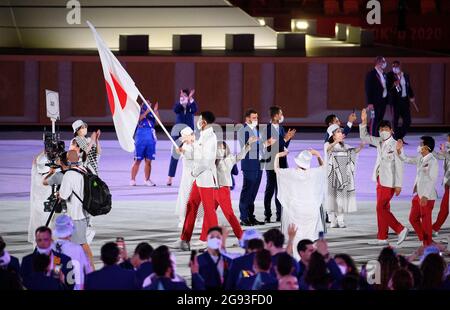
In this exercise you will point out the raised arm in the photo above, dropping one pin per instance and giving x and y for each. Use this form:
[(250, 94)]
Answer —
[(363, 133)]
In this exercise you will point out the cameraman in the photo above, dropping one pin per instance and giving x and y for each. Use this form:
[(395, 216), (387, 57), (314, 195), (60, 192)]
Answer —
[(72, 191), (54, 177)]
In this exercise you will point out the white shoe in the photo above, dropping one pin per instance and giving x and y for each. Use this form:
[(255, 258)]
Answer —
[(435, 234), (341, 225), (379, 242), (402, 235), (149, 183), (179, 245), (132, 183)]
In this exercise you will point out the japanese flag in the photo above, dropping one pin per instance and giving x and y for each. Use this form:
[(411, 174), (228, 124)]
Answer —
[(122, 94)]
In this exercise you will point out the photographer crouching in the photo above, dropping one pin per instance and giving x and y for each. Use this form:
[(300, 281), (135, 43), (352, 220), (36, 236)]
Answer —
[(72, 192)]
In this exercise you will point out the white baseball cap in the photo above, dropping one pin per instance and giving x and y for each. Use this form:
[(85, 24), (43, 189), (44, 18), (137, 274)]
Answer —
[(77, 124), (303, 160)]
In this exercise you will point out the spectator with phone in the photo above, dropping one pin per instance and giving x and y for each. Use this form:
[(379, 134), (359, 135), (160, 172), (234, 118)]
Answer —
[(332, 119)]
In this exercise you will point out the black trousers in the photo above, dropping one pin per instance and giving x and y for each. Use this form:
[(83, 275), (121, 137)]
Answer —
[(380, 110), (401, 110), (271, 188)]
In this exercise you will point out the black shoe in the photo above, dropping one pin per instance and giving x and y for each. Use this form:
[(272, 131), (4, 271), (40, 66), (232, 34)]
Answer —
[(278, 219), (405, 143), (256, 222), (246, 223), (327, 220), (267, 220), (371, 145)]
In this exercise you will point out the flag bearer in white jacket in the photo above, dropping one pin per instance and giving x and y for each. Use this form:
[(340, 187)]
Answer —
[(445, 203), (388, 173), (205, 183), (424, 187)]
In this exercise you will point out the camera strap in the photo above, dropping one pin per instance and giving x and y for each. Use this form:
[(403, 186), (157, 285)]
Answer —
[(77, 197)]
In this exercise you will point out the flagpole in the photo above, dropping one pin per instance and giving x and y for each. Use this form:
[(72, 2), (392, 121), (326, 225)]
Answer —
[(158, 120)]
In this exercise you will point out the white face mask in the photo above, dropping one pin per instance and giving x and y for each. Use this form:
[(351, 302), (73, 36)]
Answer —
[(221, 153), (396, 70), (254, 124), (385, 135), (214, 243), (343, 269), (183, 100), (199, 124), (5, 259), (419, 149), (383, 65), (44, 251), (281, 119)]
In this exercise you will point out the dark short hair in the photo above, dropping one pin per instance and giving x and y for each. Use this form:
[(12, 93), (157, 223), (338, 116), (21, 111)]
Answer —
[(42, 229), (303, 244), (144, 250), (428, 141), (215, 228), (275, 236), (378, 59), (255, 244), (384, 123), (63, 158), (274, 110), (250, 112), (285, 264), (2, 244), (402, 280), (40, 262), (329, 119), (263, 259), (109, 253), (396, 62), (208, 117), (161, 260), (186, 91)]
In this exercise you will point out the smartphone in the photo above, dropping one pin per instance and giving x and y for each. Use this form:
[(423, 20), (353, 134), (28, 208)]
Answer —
[(120, 242), (321, 235), (193, 254)]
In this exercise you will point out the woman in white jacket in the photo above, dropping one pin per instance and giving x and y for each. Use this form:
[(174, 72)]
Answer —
[(224, 163)]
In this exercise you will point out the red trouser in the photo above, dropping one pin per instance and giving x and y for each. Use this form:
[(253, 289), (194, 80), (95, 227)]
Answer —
[(385, 218), (420, 219), (223, 200), (443, 211), (205, 195)]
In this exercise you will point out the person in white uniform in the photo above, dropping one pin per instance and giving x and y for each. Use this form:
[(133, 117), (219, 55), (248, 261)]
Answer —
[(301, 191)]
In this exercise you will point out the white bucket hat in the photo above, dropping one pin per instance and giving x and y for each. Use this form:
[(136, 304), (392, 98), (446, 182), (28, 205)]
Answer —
[(63, 226), (331, 129), (303, 160), (77, 124)]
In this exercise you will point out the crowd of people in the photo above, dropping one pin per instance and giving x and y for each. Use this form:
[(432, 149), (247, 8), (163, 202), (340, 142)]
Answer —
[(266, 264), (305, 197)]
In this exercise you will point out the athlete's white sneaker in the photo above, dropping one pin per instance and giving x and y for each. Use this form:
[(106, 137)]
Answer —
[(149, 183), (379, 242), (132, 183), (402, 235)]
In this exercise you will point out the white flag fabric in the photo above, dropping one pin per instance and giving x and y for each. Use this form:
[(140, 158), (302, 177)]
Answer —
[(122, 94)]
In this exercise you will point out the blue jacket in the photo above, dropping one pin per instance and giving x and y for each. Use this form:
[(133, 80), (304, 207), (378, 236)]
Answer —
[(251, 162), (167, 284), (185, 116), (14, 265), (39, 281), (111, 278), (333, 269), (144, 270), (239, 266), (256, 282), (209, 273), (26, 268), (277, 147)]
